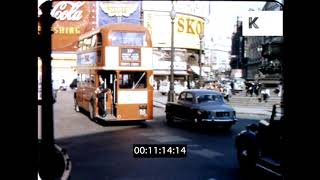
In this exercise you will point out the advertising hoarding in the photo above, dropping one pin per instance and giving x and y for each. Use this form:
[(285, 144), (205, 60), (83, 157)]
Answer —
[(186, 29), (119, 11), (73, 19)]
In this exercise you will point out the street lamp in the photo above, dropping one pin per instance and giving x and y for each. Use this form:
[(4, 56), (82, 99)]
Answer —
[(201, 35), (171, 94)]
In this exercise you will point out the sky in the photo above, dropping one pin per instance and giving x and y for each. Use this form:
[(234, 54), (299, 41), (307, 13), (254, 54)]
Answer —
[(224, 16)]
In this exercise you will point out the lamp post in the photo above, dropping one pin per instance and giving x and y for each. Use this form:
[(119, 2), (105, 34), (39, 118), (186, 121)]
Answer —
[(46, 21), (201, 35), (171, 94)]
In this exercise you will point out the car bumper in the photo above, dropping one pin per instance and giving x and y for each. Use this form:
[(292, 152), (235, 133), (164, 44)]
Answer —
[(221, 121)]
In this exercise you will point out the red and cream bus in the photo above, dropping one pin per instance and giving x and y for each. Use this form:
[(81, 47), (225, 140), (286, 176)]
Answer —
[(122, 55)]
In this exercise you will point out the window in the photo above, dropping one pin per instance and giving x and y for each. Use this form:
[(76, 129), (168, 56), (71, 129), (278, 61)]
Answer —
[(99, 40), (80, 44), (93, 41), (133, 80), (87, 43), (128, 39), (182, 96), (209, 98), (189, 97)]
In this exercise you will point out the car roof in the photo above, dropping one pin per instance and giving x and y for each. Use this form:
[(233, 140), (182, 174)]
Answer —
[(202, 91)]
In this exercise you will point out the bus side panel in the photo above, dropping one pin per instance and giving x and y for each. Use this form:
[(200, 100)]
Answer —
[(150, 95)]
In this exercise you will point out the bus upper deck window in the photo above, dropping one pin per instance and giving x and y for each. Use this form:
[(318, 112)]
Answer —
[(128, 38)]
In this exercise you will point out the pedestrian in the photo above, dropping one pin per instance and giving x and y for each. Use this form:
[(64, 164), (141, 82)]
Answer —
[(155, 85), (249, 87), (102, 97), (232, 87), (265, 93), (192, 84), (257, 89), (280, 89), (227, 92)]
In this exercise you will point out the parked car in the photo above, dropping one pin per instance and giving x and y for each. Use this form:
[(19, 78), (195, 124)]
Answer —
[(200, 106), (261, 146)]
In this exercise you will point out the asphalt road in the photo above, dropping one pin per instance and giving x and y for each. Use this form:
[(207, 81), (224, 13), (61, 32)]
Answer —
[(102, 151)]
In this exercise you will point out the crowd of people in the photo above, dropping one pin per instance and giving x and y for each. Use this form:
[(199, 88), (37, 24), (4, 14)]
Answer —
[(227, 88), (261, 91)]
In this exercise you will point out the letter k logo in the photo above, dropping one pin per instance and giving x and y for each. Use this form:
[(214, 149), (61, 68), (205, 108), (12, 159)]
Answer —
[(253, 22)]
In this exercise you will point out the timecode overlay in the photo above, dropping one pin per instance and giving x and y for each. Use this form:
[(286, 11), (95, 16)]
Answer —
[(159, 150)]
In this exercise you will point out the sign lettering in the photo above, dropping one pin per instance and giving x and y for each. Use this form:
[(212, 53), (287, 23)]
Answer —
[(119, 8), (253, 22), (190, 26), (62, 12)]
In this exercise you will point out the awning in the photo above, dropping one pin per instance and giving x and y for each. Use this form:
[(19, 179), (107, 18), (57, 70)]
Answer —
[(196, 70), (167, 72)]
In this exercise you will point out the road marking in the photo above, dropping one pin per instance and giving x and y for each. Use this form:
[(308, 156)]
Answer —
[(154, 134), (194, 146), (168, 139), (206, 153)]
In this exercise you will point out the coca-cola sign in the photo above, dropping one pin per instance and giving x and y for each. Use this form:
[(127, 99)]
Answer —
[(73, 19), (67, 10)]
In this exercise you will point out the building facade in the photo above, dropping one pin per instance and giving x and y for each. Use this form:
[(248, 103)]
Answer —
[(259, 57), (189, 23)]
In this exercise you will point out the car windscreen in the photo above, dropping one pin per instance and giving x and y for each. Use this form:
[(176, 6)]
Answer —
[(206, 98)]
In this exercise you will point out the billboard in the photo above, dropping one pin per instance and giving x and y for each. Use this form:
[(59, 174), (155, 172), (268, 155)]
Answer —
[(186, 29), (119, 12), (73, 19)]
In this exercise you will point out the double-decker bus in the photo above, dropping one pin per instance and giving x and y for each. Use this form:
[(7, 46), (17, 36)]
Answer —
[(122, 55)]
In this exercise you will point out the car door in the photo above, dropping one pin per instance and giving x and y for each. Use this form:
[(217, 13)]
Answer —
[(186, 108), (178, 111)]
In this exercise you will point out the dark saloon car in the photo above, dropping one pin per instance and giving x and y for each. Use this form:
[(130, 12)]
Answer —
[(200, 106)]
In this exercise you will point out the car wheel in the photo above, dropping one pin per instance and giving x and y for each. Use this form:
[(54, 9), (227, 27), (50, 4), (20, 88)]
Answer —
[(91, 112), (76, 106), (163, 93)]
